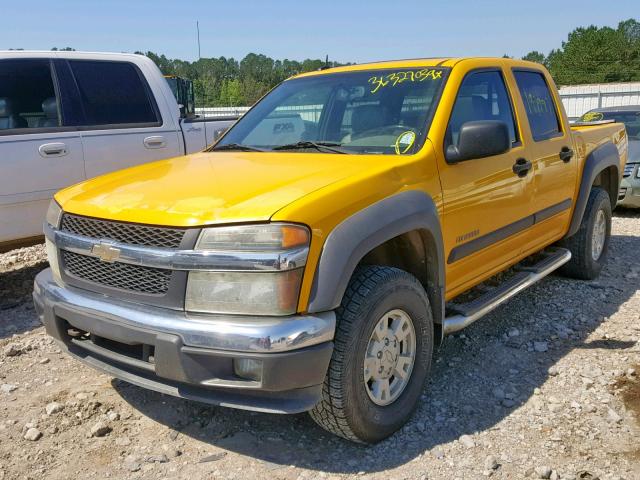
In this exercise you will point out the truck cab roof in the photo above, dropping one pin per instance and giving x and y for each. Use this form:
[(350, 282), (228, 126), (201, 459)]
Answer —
[(442, 62)]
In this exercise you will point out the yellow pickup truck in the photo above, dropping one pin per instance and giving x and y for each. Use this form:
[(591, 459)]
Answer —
[(313, 257)]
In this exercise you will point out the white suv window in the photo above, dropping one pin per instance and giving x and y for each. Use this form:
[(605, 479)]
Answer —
[(27, 95), (113, 93)]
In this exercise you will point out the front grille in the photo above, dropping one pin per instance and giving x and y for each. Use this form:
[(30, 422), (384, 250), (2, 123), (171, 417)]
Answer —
[(628, 169), (134, 278), (130, 233)]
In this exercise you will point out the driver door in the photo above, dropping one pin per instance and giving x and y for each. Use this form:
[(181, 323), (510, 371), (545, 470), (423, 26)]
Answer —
[(486, 204)]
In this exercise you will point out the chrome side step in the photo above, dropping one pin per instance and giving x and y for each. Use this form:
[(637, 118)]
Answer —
[(464, 315)]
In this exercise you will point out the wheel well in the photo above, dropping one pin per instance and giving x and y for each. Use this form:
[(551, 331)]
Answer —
[(608, 180), (414, 252)]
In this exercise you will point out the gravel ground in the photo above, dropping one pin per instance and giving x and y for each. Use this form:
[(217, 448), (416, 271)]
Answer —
[(548, 386)]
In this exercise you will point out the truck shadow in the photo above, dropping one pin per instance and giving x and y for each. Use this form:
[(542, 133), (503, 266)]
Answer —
[(479, 378), (624, 212), (16, 305)]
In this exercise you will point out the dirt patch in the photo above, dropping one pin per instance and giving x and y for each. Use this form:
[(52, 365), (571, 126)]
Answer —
[(628, 387)]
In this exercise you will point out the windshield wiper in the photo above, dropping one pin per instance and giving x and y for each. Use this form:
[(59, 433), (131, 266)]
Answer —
[(237, 146), (320, 146)]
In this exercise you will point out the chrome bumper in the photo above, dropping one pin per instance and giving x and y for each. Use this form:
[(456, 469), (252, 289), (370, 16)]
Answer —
[(192, 356), (221, 332)]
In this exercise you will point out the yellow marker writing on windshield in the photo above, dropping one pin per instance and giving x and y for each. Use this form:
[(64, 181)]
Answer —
[(397, 78)]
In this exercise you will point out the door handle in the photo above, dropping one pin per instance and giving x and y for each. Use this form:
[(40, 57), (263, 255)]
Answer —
[(522, 167), (566, 154), (194, 129), (49, 150), (155, 142)]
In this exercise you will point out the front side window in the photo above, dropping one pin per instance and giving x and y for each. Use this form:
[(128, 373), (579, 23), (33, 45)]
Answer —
[(367, 112), (113, 93), (538, 103), (27, 95), (482, 96)]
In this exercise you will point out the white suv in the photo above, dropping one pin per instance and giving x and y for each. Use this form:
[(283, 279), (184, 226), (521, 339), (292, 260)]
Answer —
[(69, 116)]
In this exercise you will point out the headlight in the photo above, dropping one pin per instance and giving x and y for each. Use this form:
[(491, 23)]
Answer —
[(54, 262), (54, 213), (248, 293), (268, 276), (254, 238)]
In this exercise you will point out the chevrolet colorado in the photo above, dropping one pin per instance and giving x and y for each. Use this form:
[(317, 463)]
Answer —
[(313, 257)]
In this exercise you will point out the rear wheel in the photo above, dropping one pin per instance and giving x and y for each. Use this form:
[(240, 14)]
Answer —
[(382, 356), (590, 243)]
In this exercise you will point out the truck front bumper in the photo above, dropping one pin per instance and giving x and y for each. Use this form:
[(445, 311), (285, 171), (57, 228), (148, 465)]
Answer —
[(198, 357)]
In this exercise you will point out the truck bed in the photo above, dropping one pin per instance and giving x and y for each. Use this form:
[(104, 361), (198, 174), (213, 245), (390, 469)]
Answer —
[(588, 137)]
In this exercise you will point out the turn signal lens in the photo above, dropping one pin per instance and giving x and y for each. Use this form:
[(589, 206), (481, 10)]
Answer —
[(294, 236)]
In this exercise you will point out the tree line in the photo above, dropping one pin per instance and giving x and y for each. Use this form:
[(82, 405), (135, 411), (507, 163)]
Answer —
[(228, 82), (595, 55)]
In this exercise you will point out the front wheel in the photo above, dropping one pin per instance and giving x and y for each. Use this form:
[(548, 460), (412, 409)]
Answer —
[(590, 243), (382, 356)]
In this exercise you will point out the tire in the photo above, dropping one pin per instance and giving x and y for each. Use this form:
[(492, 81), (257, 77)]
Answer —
[(346, 408), (583, 265)]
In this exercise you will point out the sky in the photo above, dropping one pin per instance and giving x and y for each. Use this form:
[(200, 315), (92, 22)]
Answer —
[(346, 30)]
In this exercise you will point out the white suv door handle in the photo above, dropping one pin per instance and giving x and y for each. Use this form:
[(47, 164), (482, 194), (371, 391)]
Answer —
[(155, 142), (48, 150)]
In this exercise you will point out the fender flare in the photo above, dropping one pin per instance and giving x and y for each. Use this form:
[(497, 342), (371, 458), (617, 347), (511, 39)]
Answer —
[(597, 161), (360, 233)]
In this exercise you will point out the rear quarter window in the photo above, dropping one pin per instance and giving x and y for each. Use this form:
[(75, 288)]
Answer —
[(113, 93), (539, 105)]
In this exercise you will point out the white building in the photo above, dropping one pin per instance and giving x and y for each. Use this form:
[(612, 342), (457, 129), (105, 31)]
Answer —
[(578, 99)]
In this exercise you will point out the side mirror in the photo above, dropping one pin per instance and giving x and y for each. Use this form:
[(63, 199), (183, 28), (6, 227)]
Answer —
[(219, 132), (482, 138)]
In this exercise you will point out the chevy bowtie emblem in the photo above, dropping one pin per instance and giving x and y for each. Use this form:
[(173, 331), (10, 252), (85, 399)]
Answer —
[(106, 252)]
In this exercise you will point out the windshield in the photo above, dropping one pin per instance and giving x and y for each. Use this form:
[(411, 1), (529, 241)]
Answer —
[(372, 112)]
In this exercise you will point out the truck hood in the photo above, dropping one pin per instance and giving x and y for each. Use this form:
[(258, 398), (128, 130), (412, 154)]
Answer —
[(207, 188)]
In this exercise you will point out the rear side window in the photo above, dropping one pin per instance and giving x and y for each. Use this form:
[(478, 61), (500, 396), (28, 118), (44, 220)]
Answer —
[(27, 95), (482, 96), (113, 93), (538, 103)]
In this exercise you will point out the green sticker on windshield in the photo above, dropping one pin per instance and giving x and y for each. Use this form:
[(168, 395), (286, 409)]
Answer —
[(404, 142)]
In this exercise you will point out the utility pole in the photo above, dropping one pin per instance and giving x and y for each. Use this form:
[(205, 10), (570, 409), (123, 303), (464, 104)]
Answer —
[(198, 30), (203, 93)]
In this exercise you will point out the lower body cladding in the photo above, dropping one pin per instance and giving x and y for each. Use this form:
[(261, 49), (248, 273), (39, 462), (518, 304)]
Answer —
[(268, 364)]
